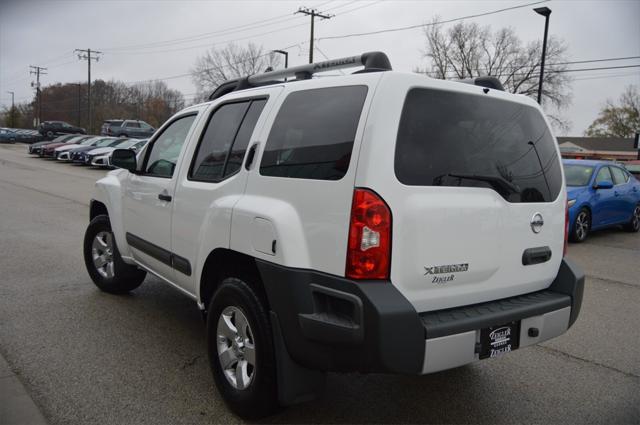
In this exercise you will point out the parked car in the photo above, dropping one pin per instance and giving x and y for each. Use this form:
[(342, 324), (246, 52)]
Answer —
[(79, 154), (49, 150), (108, 127), (601, 194), (372, 222), (101, 157), (34, 148), (7, 135), (633, 167), (128, 128), (51, 129), (63, 152)]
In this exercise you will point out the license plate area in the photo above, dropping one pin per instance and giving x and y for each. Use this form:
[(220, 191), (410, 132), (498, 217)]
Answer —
[(498, 340)]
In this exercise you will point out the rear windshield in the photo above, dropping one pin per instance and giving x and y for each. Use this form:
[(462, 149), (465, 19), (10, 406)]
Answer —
[(456, 139), (577, 175)]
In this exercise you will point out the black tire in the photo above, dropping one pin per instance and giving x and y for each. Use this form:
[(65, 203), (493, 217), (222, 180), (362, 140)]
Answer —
[(50, 134), (634, 225), (123, 135), (581, 226), (121, 277), (259, 398)]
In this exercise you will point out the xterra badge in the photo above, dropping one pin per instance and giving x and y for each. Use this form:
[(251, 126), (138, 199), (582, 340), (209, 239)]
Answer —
[(448, 269)]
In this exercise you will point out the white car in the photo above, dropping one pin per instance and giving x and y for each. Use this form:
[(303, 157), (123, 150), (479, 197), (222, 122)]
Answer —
[(377, 222), (101, 157), (62, 152)]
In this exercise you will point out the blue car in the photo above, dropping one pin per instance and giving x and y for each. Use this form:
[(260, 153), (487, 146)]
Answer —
[(600, 194)]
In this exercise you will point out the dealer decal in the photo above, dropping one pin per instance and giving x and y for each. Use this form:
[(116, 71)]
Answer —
[(449, 270)]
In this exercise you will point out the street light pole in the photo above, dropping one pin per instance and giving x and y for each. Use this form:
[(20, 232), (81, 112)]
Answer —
[(546, 12), (12, 114)]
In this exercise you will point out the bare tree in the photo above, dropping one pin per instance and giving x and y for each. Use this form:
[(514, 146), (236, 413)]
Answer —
[(618, 120), (233, 61), (468, 50)]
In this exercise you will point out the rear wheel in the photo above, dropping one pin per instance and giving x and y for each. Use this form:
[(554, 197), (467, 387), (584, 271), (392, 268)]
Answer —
[(241, 351), (50, 134), (634, 224), (103, 261), (581, 226)]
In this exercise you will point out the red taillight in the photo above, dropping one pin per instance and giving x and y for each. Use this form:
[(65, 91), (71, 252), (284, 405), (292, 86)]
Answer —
[(566, 229), (369, 247)]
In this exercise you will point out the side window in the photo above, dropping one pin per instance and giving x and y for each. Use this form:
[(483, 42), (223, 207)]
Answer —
[(163, 156), (619, 176), (225, 140), (236, 156), (603, 176), (216, 141), (313, 134), (133, 125)]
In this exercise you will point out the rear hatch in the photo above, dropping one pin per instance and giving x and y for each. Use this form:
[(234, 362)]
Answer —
[(475, 177)]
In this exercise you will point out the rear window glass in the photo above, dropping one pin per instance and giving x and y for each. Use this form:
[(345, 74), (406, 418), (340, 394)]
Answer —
[(577, 175), (313, 133), (456, 139)]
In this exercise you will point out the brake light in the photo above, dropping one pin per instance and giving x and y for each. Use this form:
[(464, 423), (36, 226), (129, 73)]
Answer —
[(566, 229), (369, 246)]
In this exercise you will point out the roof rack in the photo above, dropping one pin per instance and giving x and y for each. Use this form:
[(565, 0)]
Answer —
[(372, 62), (488, 82)]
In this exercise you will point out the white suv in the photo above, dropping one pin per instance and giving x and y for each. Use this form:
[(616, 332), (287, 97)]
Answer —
[(375, 222)]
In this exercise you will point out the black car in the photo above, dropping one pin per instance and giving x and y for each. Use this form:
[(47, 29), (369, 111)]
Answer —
[(55, 128)]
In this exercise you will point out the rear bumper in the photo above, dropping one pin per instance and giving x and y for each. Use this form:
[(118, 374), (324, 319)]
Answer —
[(334, 324)]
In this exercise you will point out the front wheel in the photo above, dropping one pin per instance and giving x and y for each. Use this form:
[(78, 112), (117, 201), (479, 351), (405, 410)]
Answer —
[(582, 226), (634, 224), (50, 134), (104, 264), (241, 351)]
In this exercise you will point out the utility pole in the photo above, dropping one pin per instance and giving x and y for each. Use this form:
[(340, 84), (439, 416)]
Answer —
[(313, 13), (79, 85), (37, 71), (546, 12), (86, 55), (13, 111)]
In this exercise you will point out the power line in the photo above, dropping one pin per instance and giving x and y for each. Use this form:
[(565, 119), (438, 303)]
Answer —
[(477, 15)]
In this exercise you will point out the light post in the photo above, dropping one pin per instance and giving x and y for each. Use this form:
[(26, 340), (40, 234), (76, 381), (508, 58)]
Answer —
[(286, 58), (12, 114), (546, 12)]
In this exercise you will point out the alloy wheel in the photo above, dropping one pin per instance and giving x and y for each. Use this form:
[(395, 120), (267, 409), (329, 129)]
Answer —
[(582, 225), (102, 254), (236, 348)]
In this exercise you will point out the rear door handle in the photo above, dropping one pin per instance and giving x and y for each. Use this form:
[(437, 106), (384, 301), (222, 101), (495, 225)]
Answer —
[(163, 197)]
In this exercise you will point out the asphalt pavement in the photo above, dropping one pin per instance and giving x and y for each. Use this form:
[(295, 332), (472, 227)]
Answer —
[(88, 357)]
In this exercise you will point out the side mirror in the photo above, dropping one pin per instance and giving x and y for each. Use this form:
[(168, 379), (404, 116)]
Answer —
[(604, 185), (124, 158)]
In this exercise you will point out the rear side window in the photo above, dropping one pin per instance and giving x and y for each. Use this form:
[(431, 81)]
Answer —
[(457, 139), (619, 176), (225, 140), (313, 133)]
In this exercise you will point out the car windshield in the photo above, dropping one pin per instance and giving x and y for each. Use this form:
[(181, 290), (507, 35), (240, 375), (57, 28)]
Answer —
[(577, 175), (104, 143), (126, 144), (89, 141)]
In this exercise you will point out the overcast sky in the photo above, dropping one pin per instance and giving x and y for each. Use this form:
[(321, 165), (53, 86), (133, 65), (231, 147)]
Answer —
[(45, 33)]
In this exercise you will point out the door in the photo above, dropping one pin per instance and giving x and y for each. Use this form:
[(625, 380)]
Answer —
[(148, 198), (210, 186), (623, 195), (603, 203)]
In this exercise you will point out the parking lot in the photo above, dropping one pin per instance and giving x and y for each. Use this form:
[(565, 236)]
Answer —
[(85, 356)]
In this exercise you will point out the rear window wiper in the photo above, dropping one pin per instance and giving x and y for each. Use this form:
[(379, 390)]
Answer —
[(498, 183)]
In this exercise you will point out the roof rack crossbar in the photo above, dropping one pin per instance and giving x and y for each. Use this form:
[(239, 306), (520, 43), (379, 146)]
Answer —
[(372, 61)]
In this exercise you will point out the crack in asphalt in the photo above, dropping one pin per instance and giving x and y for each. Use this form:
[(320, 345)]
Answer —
[(555, 351), (613, 281), (190, 363)]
